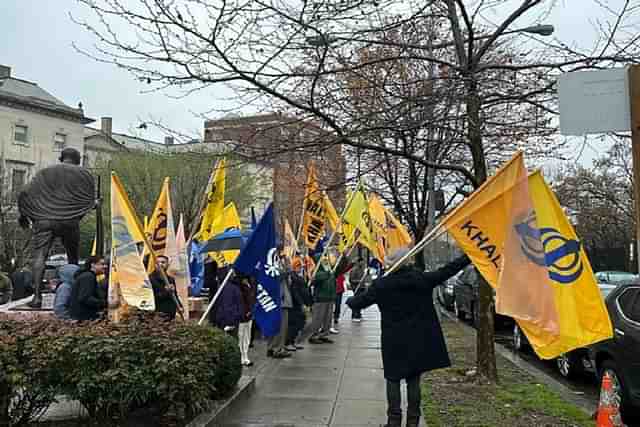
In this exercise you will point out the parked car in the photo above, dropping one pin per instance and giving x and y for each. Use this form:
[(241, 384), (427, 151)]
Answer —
[(465, 293), (573, 363), (620, 356), (445, 293), (614, 278)]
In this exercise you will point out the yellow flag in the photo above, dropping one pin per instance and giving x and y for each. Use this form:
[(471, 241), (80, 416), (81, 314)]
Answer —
[(128, 277), (313, 220), (357, 216), (179, 266), (290, 243), (378, 225), (331, 213), (215, 203), (482, 226), (582, 316), (344, 232), (93, 247), (479, 223), (158, 226), (397, 234), (227, 220)]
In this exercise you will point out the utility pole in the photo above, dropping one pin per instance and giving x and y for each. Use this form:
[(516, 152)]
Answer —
[(634, 96)]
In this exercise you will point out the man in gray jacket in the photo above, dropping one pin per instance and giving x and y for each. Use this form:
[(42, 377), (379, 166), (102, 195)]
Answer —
[(276, 346)]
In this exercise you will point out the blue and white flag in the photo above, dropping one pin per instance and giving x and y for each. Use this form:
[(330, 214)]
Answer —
[(259, 258)]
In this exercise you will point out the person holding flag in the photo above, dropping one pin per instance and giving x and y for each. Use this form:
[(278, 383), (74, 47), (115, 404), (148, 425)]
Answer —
[(165, 294), (412, 339)]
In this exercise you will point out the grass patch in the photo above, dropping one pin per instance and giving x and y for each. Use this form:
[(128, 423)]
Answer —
[(452, 398)]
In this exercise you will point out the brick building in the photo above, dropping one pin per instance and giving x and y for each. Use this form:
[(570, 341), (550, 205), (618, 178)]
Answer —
[(286, 146)]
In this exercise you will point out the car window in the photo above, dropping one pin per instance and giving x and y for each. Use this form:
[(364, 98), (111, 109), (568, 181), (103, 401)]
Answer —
[(619, 276), (629, 303)]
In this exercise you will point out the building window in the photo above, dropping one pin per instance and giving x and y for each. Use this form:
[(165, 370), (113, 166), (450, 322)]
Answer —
[(59, 141), (18, 180), (20, 134)]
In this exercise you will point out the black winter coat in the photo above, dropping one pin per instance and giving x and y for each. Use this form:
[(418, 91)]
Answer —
[(85, 302), (412, 340), (165, 299)]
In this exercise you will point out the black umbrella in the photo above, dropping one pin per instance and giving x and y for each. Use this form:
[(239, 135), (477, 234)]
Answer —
[(227, 241)]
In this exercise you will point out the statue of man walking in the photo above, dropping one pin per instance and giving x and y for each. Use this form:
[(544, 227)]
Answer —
[(53, 204)]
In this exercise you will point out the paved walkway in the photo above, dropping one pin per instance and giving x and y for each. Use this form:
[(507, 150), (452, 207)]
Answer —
[(333, 385)]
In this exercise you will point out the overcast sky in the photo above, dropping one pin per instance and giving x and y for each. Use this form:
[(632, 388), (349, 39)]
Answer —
[(37, 38)]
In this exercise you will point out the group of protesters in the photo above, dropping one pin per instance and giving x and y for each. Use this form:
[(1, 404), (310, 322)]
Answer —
[(301, 292), (310, 303)]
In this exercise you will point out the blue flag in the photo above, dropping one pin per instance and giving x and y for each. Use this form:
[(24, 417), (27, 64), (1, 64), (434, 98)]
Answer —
[(254, 223), (196, 268), (259, 258)]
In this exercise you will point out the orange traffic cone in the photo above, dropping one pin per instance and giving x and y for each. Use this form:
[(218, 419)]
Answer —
[(609, 406)]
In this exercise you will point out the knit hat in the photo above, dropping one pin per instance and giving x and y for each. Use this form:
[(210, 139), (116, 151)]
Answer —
[(394, 256)]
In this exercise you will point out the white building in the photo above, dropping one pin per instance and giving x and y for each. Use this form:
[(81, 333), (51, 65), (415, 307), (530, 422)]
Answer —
[(34, 127)]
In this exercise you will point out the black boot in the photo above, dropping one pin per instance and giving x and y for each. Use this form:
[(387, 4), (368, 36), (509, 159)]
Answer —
[(413, 421), (393, 421)]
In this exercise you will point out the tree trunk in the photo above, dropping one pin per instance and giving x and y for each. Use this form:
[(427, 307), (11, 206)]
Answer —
[(486, 355)]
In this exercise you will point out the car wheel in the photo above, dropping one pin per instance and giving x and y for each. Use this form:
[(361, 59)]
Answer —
[(459, 313), (569, 365), (518, 339), (617, 388)]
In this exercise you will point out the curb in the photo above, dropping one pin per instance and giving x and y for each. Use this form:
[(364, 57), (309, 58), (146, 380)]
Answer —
[(246, 386), (568, 394)]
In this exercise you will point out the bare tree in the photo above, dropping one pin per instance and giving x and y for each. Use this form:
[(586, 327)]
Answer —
[(296, 55)]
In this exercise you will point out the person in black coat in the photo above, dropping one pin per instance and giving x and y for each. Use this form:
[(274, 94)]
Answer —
[(165, 295), (86, 303), (412, 339), (300, 297)]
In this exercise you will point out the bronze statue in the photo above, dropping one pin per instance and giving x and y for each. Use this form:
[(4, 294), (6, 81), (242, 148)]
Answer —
[(53, 204)]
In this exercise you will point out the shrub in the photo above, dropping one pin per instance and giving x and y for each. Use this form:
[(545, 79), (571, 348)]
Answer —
[(113, 370)]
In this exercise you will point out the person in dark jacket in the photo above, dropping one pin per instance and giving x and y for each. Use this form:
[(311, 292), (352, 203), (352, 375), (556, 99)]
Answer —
[(62, 300), (300, 297), (248, 292), (165, 294), (227, 311), (357, 279), (6, 288), (86, 303), (211, 275), (412, 339), (22, 283)]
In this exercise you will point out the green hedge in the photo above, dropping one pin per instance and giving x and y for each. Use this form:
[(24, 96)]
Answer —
[(113, 370)]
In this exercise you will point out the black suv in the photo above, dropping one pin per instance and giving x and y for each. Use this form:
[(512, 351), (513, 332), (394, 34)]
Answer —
[(620, 356), (465, 302)]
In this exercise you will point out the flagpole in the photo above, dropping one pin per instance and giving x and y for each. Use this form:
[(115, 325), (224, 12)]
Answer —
[(207, 189), (215, 297)]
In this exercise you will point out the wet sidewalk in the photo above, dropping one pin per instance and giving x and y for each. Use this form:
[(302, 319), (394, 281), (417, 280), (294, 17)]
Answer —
[(338, 384)]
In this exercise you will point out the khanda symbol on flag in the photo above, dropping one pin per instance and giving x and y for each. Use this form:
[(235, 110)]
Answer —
[(557, 252)]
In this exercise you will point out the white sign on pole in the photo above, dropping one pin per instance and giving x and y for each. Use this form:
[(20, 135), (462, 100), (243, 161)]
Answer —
[(594, 102)]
